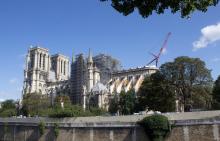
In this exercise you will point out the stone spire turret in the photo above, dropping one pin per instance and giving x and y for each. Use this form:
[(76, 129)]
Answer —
[(90, 60), (73, 57), (90, 71)]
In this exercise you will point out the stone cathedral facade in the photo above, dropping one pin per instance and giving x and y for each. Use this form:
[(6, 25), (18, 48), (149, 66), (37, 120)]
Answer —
[(44, 71), (88, 81)]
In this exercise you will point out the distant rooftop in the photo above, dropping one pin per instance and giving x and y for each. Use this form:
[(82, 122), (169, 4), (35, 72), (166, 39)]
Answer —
[(137, 69)]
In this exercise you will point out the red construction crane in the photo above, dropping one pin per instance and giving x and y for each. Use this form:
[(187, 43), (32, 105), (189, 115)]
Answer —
[(156, 57)]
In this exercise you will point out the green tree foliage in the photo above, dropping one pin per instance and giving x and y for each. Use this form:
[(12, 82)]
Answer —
[(114, 104), (157, 94), (71, 111), (8, 113), (62, 98), (147, 7), (56, 130), (75, 111), (40, 105), (97, 111), (216, 95), (124, 103), (8, 108), (8, 104), (202, 97), (35, 104), (127, 102), (156, 127), (185, 73), (41, 126)]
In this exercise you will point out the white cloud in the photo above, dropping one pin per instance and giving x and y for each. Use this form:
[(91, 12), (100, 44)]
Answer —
[(210, 34), (13, 80), (164, 51)]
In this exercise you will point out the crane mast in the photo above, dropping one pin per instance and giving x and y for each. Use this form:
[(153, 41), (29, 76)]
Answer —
[(157, 57)]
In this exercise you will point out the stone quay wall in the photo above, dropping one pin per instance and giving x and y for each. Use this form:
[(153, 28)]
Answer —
[(194, 126)]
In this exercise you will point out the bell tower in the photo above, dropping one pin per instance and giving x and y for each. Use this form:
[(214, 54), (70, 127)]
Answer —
[(36, 70), (90, 71)]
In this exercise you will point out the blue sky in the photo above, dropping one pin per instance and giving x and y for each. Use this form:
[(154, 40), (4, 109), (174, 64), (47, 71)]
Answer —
[(64, 25)]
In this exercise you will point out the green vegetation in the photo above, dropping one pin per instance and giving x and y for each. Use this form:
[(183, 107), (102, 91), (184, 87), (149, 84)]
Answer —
[(56, 129), (124, 103), (62, 98), (41, 126), (39, 105), (8, 109), (202, 97), (216, 94), (7, 113), (75, 111), (189, 76), (156, 126), (127, 102), (71, 111), (113, 104), (148, 7), (94, 111), (157, 94), (35, 104)]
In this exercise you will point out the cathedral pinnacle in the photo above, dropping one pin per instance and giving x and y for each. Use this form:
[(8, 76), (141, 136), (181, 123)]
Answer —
[(90, 56), (73, 59)]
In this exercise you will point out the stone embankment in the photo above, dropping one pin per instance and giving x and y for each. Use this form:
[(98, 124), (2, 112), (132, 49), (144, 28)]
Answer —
[(191, 126)]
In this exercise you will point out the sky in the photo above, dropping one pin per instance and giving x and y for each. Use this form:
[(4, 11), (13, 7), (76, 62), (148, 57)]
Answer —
[(67, 25)]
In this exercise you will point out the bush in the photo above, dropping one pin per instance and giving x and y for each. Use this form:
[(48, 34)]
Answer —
[(97, 111), (8, 113), (41, 127), (60, 113), (71, 111), (56, 130), (35, 104), (156, 126), (75, 111)]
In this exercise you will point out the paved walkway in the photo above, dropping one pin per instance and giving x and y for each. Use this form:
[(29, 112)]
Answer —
[(117, 119)]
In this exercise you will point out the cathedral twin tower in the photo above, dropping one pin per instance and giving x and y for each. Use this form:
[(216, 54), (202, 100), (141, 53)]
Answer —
[(42, 68)]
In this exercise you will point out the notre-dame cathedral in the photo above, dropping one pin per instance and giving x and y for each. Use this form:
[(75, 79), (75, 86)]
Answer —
[(86, 80)]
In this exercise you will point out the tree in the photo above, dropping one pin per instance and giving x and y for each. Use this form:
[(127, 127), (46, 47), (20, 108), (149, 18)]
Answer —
[(157, 94), (202, 97), (8, 104), (8, 108), (216, 94), (147, 7), (8, 113), (127, 102), (62, 98), (35, 104), (114, 104), (185, 73)]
